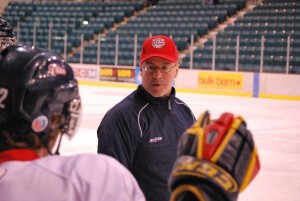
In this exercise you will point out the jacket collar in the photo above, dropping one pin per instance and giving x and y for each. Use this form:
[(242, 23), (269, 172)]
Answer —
[(162, 102), (18, 155)]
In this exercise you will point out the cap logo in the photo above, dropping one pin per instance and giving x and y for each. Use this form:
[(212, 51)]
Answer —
[(39, 123), (158, 42)]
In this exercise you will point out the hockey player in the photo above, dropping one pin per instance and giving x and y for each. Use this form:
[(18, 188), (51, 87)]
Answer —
[(40, 103), (7, 35)]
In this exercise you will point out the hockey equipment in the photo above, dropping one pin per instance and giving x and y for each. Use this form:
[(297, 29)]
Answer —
[(216, 160), (36, 85), (7, 36)]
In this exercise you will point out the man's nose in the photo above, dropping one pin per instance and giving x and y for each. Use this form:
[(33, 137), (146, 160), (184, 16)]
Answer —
[(157, 72)]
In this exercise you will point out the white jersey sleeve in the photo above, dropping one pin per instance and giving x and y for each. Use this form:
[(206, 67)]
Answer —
[(84, 177)]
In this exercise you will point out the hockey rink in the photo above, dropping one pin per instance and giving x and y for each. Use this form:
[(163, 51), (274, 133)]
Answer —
[(275, 125)]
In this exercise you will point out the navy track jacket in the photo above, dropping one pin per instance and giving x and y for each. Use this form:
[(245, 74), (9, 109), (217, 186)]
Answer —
[(142, 133)]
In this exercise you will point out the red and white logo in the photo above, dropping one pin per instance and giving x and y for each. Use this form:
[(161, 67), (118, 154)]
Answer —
[(39, 123), (56, 69), (158, 42)]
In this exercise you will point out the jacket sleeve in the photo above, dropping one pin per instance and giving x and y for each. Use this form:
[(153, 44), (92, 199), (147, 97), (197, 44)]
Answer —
[(117, 138)]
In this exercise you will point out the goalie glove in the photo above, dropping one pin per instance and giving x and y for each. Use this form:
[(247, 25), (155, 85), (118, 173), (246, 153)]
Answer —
[(216, 160)]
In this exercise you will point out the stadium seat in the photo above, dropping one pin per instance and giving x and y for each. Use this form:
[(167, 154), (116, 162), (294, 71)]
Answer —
[(275, 20)]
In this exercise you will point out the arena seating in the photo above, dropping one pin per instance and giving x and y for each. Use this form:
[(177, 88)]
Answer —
[(277, 21), (178, 19), (66, 18)]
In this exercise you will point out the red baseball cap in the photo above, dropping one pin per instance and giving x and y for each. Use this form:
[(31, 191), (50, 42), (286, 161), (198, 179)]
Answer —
[(159, 46)]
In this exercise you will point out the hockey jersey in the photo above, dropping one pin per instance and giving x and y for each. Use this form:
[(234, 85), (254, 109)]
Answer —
[(83, 177)]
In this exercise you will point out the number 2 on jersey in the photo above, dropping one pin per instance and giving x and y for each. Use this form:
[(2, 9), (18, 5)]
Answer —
[(3, 95)]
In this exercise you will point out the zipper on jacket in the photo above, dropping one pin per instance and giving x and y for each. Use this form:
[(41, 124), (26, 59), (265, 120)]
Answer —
[(169, 104)]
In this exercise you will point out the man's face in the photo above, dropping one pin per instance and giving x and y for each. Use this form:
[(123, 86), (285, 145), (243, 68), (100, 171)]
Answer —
[(158, 75)]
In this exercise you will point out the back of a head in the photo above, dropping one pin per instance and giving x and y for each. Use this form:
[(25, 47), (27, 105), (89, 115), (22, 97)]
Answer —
[(35, 85), (7, 35)]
